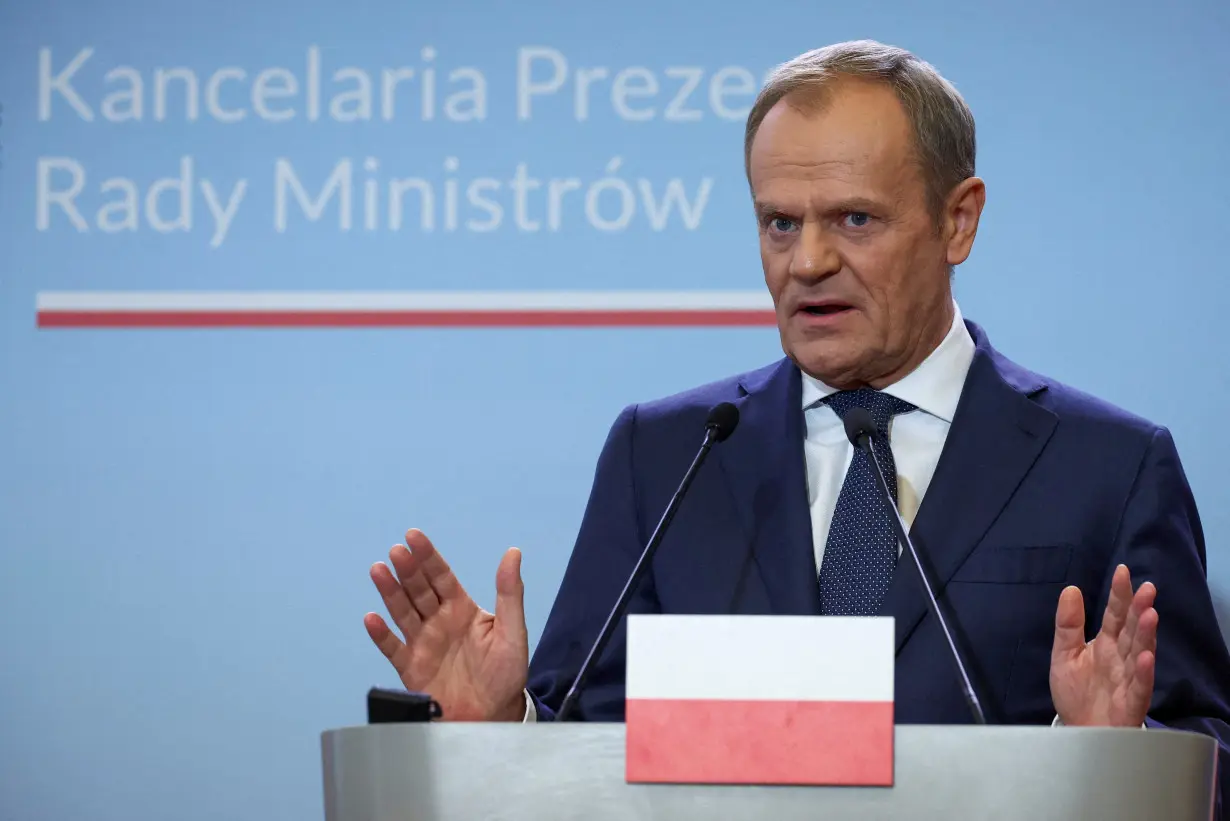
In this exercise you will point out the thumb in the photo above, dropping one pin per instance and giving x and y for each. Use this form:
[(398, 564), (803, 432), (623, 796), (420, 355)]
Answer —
[(1069, 623), (510, 595)]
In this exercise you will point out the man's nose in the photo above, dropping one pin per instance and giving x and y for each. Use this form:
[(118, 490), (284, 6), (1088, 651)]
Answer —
[(815, 255)]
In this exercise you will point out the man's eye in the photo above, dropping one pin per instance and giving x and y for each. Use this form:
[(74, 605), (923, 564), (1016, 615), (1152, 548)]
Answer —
[(858, 218), (781, 224)]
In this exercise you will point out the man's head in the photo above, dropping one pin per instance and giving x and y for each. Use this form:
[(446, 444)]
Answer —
[(861, 162)]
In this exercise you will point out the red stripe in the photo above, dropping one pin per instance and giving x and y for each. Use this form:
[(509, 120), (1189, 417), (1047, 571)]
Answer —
[(760, 742), (402, 319)]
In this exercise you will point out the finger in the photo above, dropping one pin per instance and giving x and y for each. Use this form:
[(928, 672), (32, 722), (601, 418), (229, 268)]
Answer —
[(436, 570), (1141, 603), (1140, 690), (1145, 640), (1145, 597), (510, 596), (388, 643), (410, 577), (396, 601), (1069, 624), (1118, 604)]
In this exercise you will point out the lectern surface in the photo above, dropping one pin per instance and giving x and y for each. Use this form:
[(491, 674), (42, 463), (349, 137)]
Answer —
[(541, 772)]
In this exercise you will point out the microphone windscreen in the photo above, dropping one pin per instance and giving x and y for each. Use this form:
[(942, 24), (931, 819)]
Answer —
[(723, 419), (858, 423)]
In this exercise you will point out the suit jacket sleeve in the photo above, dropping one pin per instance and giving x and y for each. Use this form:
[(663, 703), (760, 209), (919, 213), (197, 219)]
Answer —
[(1160, 540), (607, 547)]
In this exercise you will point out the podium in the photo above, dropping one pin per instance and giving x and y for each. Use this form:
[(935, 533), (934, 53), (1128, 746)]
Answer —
[(541, 772)]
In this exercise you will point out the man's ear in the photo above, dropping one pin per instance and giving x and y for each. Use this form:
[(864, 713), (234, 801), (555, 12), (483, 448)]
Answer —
[(962, 211)]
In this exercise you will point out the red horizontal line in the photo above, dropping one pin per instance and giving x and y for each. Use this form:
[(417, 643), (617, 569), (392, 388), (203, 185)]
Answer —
[(739, 741), (406, 319)]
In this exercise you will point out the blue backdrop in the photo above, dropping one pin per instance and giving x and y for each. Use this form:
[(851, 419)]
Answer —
[(187, 516)]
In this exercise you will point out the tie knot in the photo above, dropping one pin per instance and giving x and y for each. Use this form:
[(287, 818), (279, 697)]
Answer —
[(881, 406)]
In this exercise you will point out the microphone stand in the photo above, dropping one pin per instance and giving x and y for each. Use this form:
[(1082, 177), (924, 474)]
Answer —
[(864, 441), (713, 433)]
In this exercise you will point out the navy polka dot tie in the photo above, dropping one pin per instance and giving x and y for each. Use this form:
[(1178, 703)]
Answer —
[(861, 552)]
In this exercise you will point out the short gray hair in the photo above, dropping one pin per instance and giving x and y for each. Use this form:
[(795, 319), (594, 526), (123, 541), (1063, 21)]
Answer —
[(943, 124)]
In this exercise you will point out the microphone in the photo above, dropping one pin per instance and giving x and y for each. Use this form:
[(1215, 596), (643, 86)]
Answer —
[(859, 430), (722, 421)]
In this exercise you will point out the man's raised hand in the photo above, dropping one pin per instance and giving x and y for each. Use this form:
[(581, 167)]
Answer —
[(473, 663), (1109, 680)]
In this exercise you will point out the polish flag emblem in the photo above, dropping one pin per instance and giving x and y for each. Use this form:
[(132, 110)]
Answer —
[(804, 700)]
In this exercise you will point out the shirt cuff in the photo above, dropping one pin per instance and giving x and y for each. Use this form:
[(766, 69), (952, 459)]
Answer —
[(1058, 723), (531, 712)]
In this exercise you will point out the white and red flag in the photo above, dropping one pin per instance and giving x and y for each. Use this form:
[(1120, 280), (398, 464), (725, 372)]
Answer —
[(760, 700)]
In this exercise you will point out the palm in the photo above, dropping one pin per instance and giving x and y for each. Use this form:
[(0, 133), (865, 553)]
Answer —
[(1109, 680), (473, 663), (465, 662)]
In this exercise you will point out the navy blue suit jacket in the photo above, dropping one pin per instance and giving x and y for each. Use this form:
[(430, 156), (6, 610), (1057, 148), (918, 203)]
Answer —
[(1038, 486)]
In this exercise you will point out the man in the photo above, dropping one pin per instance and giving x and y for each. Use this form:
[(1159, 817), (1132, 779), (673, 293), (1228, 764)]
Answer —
[(1030, 500)]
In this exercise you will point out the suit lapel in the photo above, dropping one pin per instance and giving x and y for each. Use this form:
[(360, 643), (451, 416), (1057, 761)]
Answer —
[(763, 462), (997, 433)]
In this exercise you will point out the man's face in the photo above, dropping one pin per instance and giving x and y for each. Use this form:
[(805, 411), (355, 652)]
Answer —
[(858, 271)]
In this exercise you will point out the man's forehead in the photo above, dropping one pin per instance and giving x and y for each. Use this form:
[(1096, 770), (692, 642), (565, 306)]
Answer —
[(822, 180), (857, 139)]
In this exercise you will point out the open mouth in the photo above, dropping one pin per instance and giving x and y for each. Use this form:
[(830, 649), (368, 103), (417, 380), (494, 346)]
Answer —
[(826, 309)]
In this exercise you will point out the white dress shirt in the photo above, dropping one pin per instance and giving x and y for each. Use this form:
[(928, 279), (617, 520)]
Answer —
[(915, 438)]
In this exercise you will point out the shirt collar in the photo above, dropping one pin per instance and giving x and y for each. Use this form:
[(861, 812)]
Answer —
[(933, 387)]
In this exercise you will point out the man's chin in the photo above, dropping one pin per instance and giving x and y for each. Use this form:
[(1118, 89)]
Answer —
[(829, 363)]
